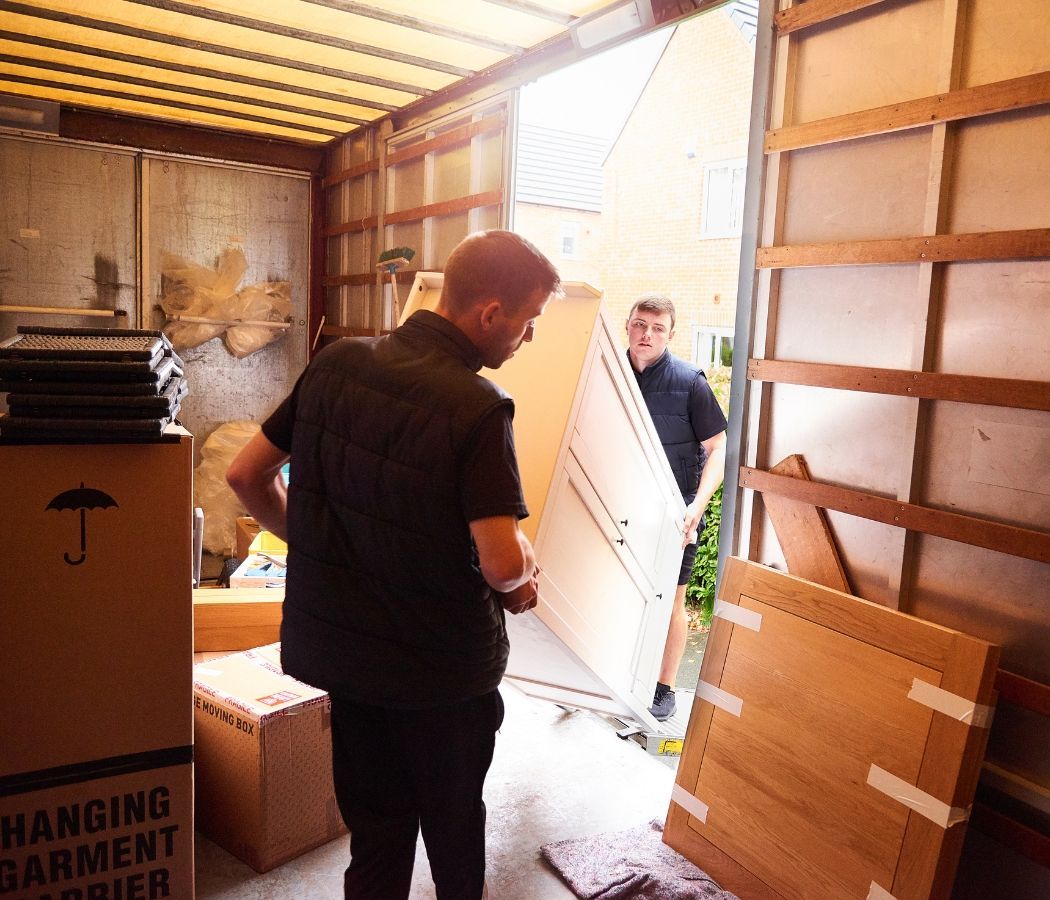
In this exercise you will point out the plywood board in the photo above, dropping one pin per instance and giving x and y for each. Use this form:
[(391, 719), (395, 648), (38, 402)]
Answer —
[(820, 705)]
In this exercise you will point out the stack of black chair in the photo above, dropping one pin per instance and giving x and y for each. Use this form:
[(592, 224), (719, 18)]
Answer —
[(89, 385)]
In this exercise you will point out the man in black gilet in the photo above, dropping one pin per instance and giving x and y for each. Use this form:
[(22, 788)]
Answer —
[(692, 429), (404, 551)]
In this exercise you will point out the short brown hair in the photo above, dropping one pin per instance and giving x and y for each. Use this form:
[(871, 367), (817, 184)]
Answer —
[(653, 303), (498, 264)]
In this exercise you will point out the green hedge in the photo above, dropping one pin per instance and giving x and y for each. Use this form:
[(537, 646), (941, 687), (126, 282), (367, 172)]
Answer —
[(700, 592)]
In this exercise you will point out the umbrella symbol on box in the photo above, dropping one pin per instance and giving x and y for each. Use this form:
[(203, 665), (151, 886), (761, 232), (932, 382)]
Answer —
[(82, 499)]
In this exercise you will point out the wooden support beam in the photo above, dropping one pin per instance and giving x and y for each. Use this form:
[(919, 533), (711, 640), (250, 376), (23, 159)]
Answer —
[(456, 137), (1033, 243), (965, 529), (352, 227), (967, 103), (370, 165), (1032, 695), (357, 279), (341, 331), (1014, 393), (802, 15), (445, 207)]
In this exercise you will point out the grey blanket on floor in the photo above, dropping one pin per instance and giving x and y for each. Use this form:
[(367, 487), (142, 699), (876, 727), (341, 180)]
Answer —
[(633, 864)]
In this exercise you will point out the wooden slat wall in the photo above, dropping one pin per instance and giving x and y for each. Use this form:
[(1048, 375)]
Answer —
[(407, 190), (902, 323)]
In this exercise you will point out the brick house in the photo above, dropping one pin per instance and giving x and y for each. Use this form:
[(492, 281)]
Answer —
[(673, 182), (558, 197)]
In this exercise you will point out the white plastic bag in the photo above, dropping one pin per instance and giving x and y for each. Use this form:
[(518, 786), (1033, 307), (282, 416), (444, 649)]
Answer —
[(210, 490), (193, 290)]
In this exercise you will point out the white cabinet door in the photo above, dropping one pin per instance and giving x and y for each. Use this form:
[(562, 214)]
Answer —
[(586, 642), (610, 444), (609, 551)]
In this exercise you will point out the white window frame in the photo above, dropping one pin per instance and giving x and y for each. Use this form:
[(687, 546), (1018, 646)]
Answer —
[(726, 220), (570, 231), (707, 339)]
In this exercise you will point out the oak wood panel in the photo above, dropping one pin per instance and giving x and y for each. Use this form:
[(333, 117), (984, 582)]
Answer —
[(954, 526), (786, 781), (1032, 243), (235, 619), (1016, 393), (950, 106), (921, 642), (930, 854)]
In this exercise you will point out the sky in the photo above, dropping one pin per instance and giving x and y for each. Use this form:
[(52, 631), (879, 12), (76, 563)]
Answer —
[(594, 96)]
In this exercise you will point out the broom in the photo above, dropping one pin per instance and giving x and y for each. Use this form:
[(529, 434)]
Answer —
[(391, 260)]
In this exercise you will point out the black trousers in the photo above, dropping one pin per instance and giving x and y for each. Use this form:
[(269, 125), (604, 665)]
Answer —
[(398, 772)]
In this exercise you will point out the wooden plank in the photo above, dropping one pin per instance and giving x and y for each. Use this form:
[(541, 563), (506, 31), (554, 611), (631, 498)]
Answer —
[(1033, 243), (1032, 695), (455, 137), (405, 276), (1014, 393), (343, 331), (813, 12), (803, 532), (966, 103), (953, 526), (445, 207), (235, 619), (352, 227), (1018, 836), (371, 165)]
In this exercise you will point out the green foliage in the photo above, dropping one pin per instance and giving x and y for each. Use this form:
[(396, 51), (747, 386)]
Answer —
[(700, 592)]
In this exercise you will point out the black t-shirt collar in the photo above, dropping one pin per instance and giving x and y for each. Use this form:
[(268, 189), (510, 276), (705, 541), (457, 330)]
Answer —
[(439, 332)]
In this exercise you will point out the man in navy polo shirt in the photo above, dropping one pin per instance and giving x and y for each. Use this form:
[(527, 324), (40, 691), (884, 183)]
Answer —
[(692, 429)]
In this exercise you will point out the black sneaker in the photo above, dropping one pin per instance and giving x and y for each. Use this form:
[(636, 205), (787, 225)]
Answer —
[(663, 706)]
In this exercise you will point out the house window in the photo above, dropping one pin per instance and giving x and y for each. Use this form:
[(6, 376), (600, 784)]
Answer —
[(570, 240), (712, 347), (723, 211)]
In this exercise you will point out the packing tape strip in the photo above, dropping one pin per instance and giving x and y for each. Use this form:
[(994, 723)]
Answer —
[(936, 811), (689, 803), (738, 615), (950, 704), (717, 697), (878, 893)]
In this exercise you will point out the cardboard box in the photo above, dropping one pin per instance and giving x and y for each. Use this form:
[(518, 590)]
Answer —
[(264, 759), (268, 542), (246, 530), (262, 570), (96, 630)]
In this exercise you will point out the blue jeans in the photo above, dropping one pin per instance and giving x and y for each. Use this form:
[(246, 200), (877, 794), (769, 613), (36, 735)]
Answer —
[(401, 771)]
